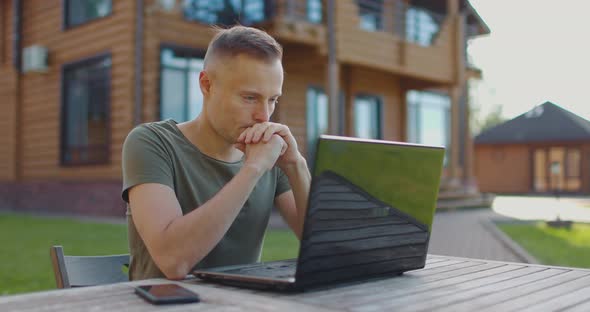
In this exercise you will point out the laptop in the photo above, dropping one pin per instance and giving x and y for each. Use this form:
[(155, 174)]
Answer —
[(370, 212)]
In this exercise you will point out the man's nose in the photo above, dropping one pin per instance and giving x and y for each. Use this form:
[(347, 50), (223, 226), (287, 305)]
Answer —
[(262, 113)]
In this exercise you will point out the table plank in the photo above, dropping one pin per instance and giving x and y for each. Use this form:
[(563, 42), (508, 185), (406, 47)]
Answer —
[(542, 295), (446, 284), (121, 297), (429, 298), (450, 302), (383, 290), (570, 299), (405, 297), (485, 302), (579, 307)]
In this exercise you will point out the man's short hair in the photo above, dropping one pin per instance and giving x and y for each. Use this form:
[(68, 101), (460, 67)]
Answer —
[(244, 40)]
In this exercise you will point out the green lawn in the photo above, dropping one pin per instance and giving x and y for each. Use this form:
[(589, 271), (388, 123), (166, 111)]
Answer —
[(553, 246), (25, 242)]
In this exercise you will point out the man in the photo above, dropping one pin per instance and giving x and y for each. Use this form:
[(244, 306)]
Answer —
[(199, 193)]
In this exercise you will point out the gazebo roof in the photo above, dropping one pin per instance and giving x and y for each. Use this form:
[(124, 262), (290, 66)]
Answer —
[(544, 123)]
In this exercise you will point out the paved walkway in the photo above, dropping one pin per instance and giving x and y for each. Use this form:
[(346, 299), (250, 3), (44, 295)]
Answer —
[(465, 234)]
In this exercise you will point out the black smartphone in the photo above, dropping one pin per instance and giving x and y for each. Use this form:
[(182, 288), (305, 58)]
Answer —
[(166, 293)]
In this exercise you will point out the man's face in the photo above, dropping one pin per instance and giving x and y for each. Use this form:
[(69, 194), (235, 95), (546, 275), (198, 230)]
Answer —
[(243, 91)]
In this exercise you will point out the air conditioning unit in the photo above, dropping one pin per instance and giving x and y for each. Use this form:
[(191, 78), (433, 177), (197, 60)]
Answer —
[(34, 59)]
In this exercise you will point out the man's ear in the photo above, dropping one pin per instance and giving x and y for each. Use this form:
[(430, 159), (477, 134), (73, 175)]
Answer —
[(205, 83)]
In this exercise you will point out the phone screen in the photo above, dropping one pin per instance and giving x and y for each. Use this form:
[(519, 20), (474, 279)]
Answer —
[(167, 293)]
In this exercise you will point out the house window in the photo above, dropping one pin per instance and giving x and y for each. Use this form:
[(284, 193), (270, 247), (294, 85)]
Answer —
[(225, 12), (573, 170), (85, 112), (367, 117), (180, 95), (314, 11), (370, 14), (422, 26), (429, 116), (78, 12), (573, 163), (317, 118)]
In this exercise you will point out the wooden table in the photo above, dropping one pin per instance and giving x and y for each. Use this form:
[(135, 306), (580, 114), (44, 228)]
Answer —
[(446, 284)]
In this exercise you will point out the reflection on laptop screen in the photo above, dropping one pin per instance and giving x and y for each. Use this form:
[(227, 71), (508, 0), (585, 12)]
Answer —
[(370, 210)]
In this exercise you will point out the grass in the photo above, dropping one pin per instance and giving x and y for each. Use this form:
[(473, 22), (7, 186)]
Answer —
[(553, 246), (25, 242)]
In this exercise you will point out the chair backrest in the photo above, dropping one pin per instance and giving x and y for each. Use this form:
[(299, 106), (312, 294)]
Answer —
[(74, 271)]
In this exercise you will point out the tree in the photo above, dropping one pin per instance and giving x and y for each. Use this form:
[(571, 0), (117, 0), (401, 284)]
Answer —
[(493, 118)]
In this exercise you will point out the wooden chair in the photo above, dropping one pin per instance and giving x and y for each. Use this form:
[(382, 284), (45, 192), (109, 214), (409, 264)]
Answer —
[(73, 271)]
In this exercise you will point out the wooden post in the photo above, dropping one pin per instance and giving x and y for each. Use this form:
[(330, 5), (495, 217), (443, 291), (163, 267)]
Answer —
[(455, 95), (333, 71), (452, 7), (348, 105), (468, 162), (456, 91), (17, 16)]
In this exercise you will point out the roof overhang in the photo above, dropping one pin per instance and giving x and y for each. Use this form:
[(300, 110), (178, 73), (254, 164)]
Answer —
[(473, 18)]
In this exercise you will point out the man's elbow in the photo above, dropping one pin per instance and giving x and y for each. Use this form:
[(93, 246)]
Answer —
[(172, 268)]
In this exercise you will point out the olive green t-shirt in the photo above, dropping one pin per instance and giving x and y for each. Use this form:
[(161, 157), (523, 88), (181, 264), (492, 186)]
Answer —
[(158, 152)]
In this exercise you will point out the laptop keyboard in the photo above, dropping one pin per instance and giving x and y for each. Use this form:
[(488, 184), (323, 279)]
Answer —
[(278, 269)]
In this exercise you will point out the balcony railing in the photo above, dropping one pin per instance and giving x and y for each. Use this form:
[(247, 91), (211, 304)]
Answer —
[(412, 23), (251, 12)]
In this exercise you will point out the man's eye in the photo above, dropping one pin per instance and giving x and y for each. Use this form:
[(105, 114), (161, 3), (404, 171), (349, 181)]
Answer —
[(249, 98)]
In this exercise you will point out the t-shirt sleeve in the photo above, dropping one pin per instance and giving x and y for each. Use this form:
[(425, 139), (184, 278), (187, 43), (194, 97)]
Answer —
[(145, 160), (283, 184)]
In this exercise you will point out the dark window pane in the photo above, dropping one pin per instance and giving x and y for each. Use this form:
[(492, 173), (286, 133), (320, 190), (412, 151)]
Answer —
[(422, 26), (317, 118), (82, 11), (370, 14), (86, 118), (180, 95), (573, 163), (253, 12), (314, 11), (429, 118), (367, 117), (173, 94), (225, 12)]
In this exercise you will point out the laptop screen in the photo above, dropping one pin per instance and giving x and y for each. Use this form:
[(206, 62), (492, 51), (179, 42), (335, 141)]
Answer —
[(404, 176), (370, 209)]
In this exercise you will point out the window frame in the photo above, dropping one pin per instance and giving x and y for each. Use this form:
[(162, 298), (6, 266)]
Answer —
[(63, 109), (309, 144), (65, 15), (380, 122), (416, 128), (186, 51)]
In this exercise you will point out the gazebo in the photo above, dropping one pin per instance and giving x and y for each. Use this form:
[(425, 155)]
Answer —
[(545, 150)]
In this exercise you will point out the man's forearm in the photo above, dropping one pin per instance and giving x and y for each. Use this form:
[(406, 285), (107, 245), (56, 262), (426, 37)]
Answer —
[(189, 238), (300, 180)]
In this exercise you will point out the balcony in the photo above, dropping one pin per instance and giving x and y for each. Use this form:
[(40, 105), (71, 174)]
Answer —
[(406, 39), (287, 20)]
